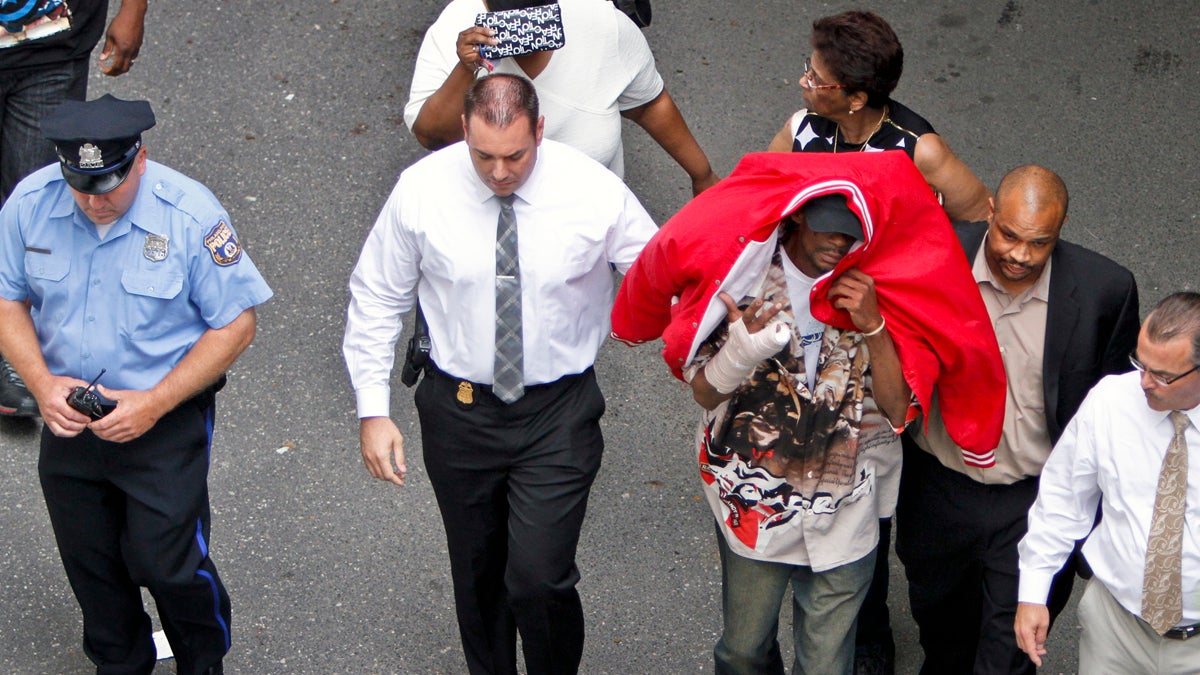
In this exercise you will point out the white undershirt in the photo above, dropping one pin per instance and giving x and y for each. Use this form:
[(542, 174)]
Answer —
[(808, 330)]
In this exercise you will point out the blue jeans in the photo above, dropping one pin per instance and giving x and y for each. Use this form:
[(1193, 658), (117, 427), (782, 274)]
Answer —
[(26, 95), (824, 610)]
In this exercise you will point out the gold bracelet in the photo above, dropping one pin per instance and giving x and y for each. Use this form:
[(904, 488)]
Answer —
[(877, 331)]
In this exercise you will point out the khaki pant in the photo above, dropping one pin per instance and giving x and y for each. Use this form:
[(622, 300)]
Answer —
[(1115, 642)]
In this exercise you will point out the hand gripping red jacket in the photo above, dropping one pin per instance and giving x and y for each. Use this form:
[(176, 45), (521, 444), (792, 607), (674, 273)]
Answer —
[(722, 239)]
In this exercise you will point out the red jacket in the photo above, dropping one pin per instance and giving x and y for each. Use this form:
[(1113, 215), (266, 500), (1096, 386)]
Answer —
[(722, 240)]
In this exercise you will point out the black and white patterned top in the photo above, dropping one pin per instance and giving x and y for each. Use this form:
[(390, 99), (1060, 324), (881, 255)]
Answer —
[(900, 130)]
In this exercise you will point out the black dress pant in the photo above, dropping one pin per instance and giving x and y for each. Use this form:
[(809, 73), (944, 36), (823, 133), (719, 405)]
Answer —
[(512, 483), (134, 514), (958, 541)]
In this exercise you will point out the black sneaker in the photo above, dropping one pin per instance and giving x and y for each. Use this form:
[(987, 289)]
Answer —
[(15, 399)]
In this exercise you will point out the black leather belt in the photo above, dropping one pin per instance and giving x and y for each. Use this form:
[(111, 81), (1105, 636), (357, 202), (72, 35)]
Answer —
[(1182, 632)]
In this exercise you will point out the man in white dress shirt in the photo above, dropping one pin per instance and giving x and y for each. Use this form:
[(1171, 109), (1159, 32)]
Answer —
[(1128, 449), (511, 478)]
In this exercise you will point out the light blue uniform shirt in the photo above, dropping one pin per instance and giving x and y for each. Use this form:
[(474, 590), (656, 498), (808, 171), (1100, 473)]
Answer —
[(136, 302)]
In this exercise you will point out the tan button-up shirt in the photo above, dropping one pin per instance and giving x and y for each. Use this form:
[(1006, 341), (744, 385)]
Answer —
[(1020, 325)]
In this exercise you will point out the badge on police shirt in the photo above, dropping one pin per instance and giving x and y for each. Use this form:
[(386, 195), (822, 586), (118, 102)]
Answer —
[(222, 243), (155, 248)]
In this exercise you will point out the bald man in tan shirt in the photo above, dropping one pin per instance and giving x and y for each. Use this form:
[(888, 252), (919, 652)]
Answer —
[(1064, 317)]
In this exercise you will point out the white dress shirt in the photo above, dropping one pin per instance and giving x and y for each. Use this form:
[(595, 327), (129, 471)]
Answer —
[(1113, 448), (436, 238)]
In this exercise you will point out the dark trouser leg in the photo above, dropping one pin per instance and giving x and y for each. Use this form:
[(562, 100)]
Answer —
[(949, 522), (512, 485), (470, 482), (998, 652), (939, 544), (128, 515), (874, 646), (87, 514), (26, 96), (548, 493), (165, 475)]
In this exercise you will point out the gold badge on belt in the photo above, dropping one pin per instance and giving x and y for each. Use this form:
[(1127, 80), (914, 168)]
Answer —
[(466, 393)]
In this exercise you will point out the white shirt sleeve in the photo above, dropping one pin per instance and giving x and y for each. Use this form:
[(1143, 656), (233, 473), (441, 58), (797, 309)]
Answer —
[(1065, 509), (634, 228), (636, 58), (382, 288)]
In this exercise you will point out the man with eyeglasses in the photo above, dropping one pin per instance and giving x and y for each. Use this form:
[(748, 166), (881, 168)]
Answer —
[(1064, 317), (1127, 450)]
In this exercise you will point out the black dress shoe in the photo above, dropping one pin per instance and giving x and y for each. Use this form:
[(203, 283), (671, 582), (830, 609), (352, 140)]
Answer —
[(15, 399)]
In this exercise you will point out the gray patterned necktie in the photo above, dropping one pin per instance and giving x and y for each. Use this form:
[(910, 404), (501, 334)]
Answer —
[(508, 375), (1162, 590)]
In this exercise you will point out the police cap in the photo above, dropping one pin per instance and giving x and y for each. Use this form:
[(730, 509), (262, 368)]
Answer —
[(97, 140)]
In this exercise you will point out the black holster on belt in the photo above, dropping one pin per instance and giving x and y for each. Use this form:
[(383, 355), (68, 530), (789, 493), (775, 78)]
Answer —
[(416, 357)]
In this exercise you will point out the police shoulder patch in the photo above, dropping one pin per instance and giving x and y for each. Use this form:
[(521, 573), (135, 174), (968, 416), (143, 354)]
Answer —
[(222, 243)]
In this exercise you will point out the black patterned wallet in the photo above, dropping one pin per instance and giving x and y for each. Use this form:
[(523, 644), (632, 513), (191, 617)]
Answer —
[(523, 31)]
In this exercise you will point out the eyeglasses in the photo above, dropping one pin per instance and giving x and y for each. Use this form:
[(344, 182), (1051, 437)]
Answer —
[(1163, 380), (809, 83)]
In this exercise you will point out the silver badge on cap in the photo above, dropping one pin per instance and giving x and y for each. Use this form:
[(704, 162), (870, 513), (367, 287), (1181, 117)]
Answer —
[(90, 157), (155, 248)]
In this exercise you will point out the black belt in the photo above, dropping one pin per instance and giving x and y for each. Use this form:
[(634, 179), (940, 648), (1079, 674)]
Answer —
[(1182, 632), (469, 393)]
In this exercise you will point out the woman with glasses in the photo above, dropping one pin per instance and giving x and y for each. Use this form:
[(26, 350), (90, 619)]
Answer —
[(846, 85)]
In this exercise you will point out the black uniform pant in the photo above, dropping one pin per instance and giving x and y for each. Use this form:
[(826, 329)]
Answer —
[(958, 541), (134, 514), (512, 483)]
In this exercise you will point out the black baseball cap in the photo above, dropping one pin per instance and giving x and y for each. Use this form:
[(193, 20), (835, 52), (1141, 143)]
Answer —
[(829, 213), (97, 140)]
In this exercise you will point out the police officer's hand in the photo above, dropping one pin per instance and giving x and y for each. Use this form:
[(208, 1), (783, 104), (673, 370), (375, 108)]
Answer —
[(51, 394), (135, 413), (383, 444), (854, 292)]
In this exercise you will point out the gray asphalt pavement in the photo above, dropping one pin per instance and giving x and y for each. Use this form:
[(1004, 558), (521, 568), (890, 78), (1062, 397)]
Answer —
[(291, 113)]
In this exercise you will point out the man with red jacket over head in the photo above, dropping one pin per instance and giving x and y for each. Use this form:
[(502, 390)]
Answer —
[(795, 297)]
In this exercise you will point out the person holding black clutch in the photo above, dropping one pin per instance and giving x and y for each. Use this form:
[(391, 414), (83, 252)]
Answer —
[(603, 72)]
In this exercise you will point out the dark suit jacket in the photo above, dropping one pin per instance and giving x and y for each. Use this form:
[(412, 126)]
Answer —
[(1092, 323)]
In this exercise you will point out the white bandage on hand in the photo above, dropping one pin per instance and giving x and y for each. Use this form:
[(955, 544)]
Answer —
[(742, 353)]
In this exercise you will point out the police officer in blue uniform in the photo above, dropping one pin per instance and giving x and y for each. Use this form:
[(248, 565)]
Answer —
[(113, 264)]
